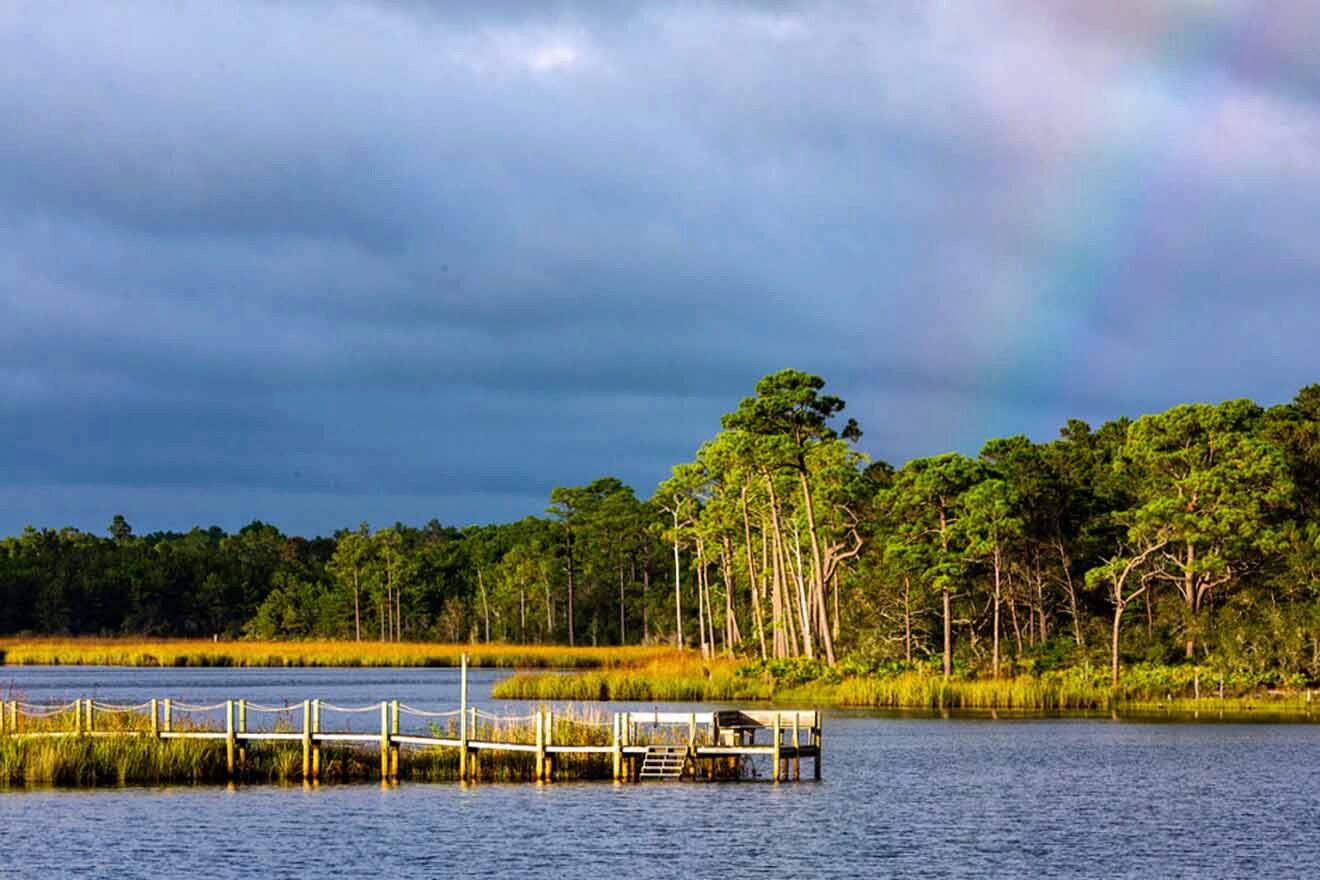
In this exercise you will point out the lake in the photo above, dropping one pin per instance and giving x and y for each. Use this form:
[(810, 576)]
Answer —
[(902, 795)]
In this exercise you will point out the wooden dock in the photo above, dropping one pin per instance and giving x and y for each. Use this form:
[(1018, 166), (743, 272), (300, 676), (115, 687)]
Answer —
[(642, 745)]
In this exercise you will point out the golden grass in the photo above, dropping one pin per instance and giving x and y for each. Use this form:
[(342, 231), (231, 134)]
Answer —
[(673, 677), (196, 652), (687, 678)]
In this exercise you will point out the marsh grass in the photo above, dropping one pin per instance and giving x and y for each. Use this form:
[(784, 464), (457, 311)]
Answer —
[(671, 678), (690, 679), (183, 652)]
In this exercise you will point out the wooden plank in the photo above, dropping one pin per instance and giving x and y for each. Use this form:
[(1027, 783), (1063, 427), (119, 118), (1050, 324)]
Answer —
[(492, 746), (766, 717), (410, 740), (273, 735), (193, 734), (579, 750), (346, 737)]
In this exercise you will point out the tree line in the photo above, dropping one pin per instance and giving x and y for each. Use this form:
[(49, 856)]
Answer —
[(1191, 535)]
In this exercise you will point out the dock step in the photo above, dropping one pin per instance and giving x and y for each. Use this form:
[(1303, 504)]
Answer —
[(664, 762)]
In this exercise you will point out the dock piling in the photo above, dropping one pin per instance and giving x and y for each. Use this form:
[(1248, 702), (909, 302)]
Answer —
[(316, 744), (307, 740), (462, 722), (394, 750), (242, 731), (384, 741), (229, 738)]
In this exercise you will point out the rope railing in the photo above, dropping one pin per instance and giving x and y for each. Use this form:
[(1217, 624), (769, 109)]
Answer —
[(119, 708), (256, 707), (186, 707), (504, 719), (422, 713), (34, 710), (331, 707)]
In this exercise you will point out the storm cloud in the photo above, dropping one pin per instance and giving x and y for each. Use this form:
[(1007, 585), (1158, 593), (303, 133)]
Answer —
[(318, 263)]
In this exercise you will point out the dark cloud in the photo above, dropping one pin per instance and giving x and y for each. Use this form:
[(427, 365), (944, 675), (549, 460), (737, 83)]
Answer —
[(319, 263)]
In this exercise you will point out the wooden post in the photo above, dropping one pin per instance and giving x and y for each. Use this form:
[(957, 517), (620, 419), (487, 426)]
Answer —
[(540, 744), (242, 729), (155, 717), (316, 744), (229, 737), (384, 741), (549, 741), (167, 720), (692, 730), (776, 746), (394, 748), (797, 744), (618, 747), (462, 721), (816, 738), (307, 740), (13, 715), (91, 723)]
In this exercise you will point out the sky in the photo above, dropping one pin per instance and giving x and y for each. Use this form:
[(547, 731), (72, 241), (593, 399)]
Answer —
[(319, 263)]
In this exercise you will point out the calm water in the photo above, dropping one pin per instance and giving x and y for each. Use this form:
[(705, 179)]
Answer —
[(901, 796)]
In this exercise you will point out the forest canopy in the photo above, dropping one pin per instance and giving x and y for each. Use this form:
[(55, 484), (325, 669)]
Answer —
[(1191, 535)]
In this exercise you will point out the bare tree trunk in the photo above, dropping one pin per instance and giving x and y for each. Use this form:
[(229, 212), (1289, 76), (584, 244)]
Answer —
[(817, 563), (701, 595), (732, 633), (757, 620), (646, 595), (808, 647), (1113, 643), (569, 546), (549, 610), (357, 609), (1072, 593), (907, 619), (835, 625), (1189, 592), (780, 553), (485, 605), (623, 631), (678, 588), (948, 633), (1013, 615), (947, 601), (995, 662)]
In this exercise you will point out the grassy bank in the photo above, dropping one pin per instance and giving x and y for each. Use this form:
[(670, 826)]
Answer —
[(689, 679), (141, 652)]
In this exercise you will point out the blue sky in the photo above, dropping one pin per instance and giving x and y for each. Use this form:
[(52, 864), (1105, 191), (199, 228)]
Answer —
[(319, 263)]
